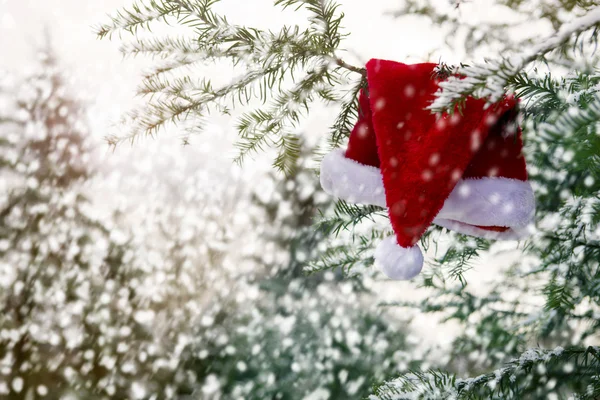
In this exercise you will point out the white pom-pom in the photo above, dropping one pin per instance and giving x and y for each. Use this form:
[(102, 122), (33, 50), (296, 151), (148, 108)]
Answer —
[(398, 262)]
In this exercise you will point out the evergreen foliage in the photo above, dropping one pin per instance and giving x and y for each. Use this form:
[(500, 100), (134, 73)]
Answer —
[(296, 341), (93, 305), (550, 296), (286, 70), (69, 300), (295, 337), (536, 374)]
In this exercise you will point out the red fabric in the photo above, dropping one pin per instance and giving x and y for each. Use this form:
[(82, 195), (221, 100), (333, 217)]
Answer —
[(501, 153), (493, 228), (421, 158), (362, 146)]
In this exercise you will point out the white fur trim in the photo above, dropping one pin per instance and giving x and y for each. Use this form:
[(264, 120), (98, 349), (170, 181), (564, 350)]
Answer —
[(398, 262), (490, 201), (493, 201), (349, 180)]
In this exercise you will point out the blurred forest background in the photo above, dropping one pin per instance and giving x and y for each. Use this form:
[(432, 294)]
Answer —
[(171, 289), (157, 270), (163, 270)]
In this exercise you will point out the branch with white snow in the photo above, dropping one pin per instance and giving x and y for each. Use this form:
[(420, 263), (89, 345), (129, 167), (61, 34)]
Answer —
[(489, 80), (436, 384)]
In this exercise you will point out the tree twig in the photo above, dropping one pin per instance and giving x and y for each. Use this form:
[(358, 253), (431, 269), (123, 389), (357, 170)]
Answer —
[(343, 64)]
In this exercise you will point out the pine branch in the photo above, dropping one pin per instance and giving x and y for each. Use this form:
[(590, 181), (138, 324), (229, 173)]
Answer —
[(351, 259), (346, 216), (458, 257), (489, 80), (506, 382), (270, 59), (258, 128), (341, 228), (346, 118), (541, 96), (345, 65), (141, 15), (575, 120)]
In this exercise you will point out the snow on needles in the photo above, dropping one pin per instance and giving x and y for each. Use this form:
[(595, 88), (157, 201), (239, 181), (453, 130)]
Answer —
[(489, 80)]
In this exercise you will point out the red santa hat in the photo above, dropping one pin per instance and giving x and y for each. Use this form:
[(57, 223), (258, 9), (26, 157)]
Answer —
[(463, 171)]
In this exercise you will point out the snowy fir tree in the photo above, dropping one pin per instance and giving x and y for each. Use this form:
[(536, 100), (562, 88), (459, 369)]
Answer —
[(55, 253), (291, 204), (530, 333), (68, 277), (78, 298), (296, 341), (293, 336)]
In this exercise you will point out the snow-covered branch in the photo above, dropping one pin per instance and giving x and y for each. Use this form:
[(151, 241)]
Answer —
[(489, 80), (505, 382)]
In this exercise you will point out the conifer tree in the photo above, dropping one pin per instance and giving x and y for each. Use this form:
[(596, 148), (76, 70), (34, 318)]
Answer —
[(534, 333), (74, 317), (297, 336), (43, 247)]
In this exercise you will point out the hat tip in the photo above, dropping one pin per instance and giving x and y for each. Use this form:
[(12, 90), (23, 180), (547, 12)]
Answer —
[(397, 262)]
